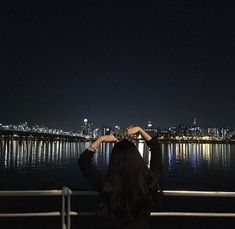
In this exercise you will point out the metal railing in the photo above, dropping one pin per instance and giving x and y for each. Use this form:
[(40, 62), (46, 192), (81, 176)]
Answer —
[(175, 193), (64, 193), (66, 211)]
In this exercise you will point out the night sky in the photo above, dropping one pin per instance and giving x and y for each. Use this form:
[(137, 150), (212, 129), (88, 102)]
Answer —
[(117, 62)]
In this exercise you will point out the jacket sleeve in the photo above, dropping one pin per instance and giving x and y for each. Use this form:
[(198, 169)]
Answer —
[(156, 155), (90, 172)]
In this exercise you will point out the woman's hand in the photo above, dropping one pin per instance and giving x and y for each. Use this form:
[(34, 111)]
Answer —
[(133, 130), (138, 130)]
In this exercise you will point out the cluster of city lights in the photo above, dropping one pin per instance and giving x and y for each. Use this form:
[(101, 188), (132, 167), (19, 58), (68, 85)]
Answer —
[(23, 127), (87, 130)]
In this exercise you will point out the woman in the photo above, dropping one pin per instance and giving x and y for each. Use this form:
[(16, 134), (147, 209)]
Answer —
[(130, 186)]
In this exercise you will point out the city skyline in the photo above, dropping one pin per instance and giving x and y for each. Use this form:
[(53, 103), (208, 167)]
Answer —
[(118, 62), (194, 122)]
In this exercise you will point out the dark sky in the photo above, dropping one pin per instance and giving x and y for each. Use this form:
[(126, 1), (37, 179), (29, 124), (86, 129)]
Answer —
[(117, 62)]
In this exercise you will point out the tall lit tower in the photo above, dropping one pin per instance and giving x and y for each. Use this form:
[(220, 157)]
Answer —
[(194, 121), (86, 127)]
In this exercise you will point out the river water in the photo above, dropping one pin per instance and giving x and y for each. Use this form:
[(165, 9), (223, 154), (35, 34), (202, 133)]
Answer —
[(53, 164)]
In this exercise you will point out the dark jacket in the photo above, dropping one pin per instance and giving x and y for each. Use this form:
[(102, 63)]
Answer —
[(98, 180)]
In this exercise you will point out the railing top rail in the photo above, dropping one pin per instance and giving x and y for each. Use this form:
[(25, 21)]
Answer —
[(29, 214), (63, 191), (183, 214), (66, 190), (174, 193), (198, 193), (32, 193)]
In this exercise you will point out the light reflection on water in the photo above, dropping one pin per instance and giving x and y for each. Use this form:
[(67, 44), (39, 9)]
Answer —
[(37, 154), (50, 164), (197, 155)]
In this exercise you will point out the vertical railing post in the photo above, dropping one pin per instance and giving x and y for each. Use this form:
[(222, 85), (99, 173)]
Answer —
[(63, 209), (68, 208)]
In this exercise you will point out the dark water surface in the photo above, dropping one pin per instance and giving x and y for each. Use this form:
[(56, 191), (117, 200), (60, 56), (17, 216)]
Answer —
[(50, 165)]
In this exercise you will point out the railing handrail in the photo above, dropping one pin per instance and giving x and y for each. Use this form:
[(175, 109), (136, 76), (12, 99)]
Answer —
[(173, 193), (30, 214), (31, 193), (198, 193), (80, 193), (182, 193), (183, 214)]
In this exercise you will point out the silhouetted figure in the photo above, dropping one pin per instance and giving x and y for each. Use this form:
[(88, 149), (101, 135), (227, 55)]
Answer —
[(130, 187)]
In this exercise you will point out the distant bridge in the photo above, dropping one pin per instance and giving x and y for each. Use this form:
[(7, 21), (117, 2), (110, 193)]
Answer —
[(32, 135)]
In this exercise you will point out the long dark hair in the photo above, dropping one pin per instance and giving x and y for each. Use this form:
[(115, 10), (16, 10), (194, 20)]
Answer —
[(131, 186)]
